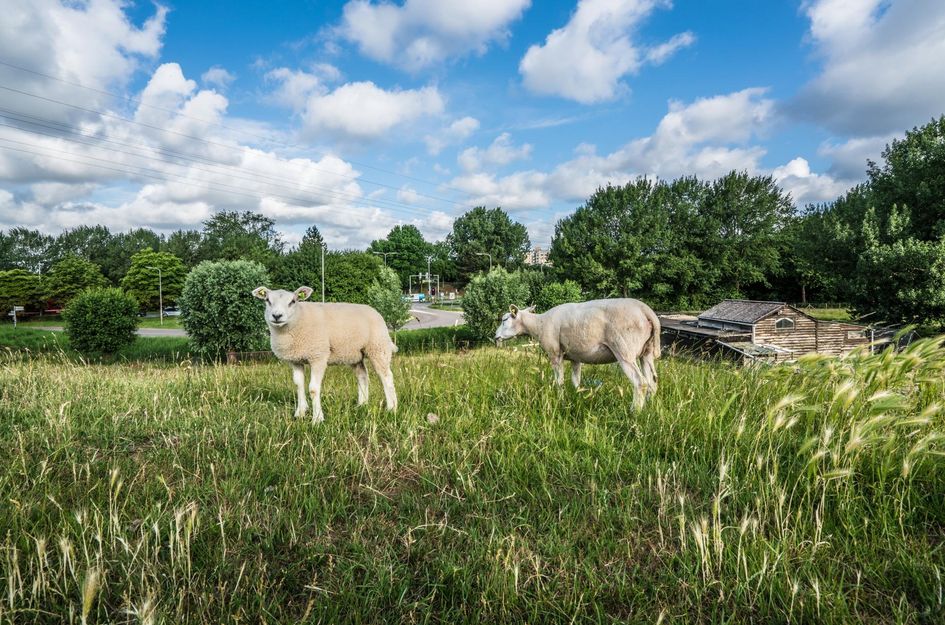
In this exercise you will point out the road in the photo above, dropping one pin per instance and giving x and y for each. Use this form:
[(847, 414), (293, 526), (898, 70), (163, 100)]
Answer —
[(423, 317), (426, 317)]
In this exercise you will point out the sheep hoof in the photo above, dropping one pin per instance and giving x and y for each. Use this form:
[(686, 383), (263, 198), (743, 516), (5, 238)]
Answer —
[(317, 418)]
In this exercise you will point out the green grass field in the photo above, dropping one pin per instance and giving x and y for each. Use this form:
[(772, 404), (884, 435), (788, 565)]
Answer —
[(155, 493)]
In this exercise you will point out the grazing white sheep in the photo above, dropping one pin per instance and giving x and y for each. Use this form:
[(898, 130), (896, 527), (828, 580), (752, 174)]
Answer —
[(600, 331), (327, 334)]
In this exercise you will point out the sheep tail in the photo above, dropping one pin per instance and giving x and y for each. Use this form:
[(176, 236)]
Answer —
[(652, 345)]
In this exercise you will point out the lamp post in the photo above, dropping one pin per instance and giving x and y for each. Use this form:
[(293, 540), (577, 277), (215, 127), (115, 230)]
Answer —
[(384, 254), (323, 272), (160, 294), (429, 281), (486, 254)]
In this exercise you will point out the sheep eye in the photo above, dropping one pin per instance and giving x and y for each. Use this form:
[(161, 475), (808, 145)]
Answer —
[(268, 302)]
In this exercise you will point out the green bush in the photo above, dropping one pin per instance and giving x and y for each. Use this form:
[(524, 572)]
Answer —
[(101, 321), (218, 310), (556, 293), (386, 298), (488, 296), (434, 339)]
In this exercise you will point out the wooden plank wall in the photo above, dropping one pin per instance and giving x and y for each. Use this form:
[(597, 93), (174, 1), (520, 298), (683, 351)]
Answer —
[(827, 337)]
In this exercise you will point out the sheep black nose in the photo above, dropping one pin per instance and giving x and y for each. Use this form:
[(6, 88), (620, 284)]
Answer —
[(276, 316)]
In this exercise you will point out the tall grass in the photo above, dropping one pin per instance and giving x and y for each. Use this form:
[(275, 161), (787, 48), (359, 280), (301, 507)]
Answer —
[(156, 494)]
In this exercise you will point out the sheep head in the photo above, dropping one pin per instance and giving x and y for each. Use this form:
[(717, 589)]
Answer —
[(281, 305)]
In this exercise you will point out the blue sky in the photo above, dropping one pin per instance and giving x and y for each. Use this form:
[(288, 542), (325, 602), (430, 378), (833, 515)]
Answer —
[(361, 115)]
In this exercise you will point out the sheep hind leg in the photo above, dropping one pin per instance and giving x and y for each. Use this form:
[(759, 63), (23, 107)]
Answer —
[(315, 390), (381, 366), (363, 383), (557, 366), (649, 372), (632, 370), (298, 376), (576, 374)]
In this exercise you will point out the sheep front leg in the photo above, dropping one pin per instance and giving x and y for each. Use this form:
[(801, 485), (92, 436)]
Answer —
[(633, 373), (298, 376), (557, 365), (315, 389)]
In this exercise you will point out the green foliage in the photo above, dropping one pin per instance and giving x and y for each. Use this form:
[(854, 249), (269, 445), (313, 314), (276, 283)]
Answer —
[(122, 247), (88, 242), (19, 287), (101, 321), (185, 245), (312, 238), (487, 231), (386, 297), (406, 252), (679, 244), (488, 296), (534, 280), (22, 248), (556, 293), (70, 276), (903, 282), (435, 339), (144, 282), (230, 235), (218, 310), (348, 276), (912, 177)]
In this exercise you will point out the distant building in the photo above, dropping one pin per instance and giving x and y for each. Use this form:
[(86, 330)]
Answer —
[(536, 256), (763, 331)]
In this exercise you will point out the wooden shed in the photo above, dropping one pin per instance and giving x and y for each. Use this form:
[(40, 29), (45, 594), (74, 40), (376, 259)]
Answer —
[(764, 331)]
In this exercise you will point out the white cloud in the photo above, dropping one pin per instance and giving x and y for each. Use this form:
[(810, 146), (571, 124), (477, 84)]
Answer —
[(90, 43), (883, 65), (848, 159), (420, 33), (408, 195), (587, 58), (363, 111), (293, 87), (805, 186), (217, 77), (501, 152), (456, 132)]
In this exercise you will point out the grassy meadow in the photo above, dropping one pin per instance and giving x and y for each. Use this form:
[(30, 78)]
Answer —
[(161, 493)]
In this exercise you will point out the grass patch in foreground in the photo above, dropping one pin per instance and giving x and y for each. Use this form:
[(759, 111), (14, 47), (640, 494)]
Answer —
[(190, 495)]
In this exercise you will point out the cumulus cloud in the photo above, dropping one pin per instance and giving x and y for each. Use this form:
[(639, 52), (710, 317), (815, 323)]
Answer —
[(420, 33), (848, 158), (883, 65), (501, 152), (355, 111), (217, 77), (456, 132), (586, 59), (90, 43)]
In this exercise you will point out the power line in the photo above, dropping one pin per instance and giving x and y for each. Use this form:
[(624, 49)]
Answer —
[(97, 141), (139, 102)]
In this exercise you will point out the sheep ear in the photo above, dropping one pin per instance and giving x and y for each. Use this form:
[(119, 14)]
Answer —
[(530, 309), (514, 310), (303, 292), (260, 292)]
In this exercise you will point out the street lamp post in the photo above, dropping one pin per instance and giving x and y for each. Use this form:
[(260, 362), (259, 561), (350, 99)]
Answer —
[(486, 254), (429, 281), (384, 254), (323, 272), (160, 294)]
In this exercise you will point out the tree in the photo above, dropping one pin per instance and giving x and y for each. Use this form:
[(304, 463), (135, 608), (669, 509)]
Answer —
[(19, 287), (484, 231), (348, 275), (88, 242), (122, 247), (101, 321), (185, 245), (230, 235), (912, 177), (25, 249), (557, 293), (406, 252), (387, 298), (488, 296), (147, 286), (615, 243), (70, 276), (312, 238), (903, 282), (218, 310)]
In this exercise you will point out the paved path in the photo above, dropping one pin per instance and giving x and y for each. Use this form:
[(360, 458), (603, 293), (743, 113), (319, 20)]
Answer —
[(426, 317), (423, 317)]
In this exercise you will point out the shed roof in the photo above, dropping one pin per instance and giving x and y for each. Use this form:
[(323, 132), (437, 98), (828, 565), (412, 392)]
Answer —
[(741, 311)]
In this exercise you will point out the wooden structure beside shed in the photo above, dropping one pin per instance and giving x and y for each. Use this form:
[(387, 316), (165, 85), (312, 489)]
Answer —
[(763, 331)]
